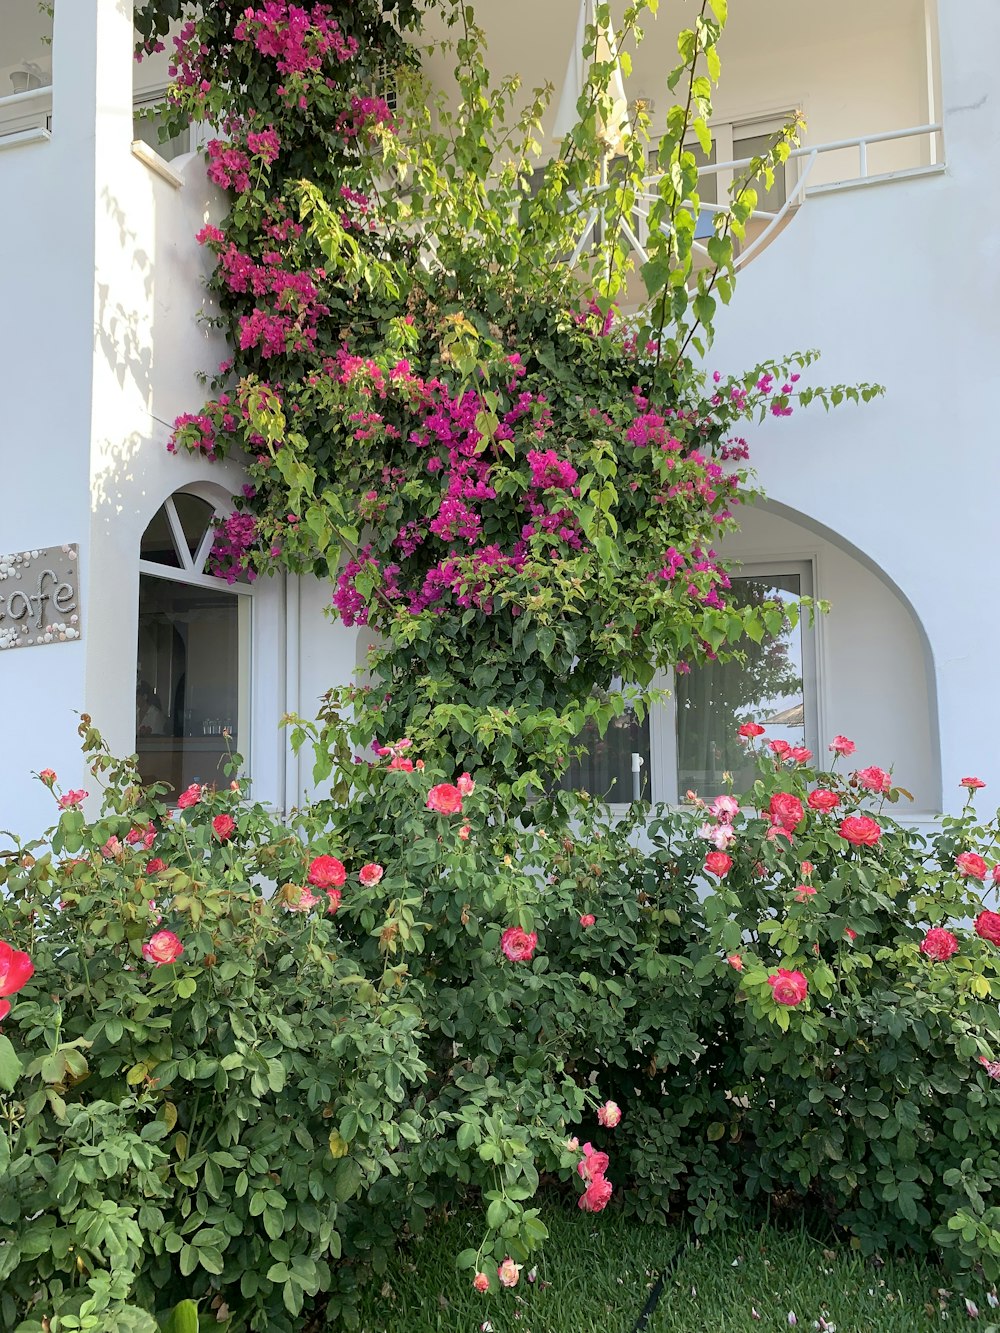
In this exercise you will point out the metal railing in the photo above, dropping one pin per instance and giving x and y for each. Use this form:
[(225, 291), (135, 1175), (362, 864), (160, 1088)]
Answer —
[(25, 112)]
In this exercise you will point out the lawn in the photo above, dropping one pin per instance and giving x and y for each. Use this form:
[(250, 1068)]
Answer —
[(595, 1276)]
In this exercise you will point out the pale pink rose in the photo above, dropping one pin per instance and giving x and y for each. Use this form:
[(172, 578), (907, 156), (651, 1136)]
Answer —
[(333, 897), (735, 961), (609, 1115), (573, 1144), (445, 799), (972, 865), (465, 785), (302, 902), (841, 745), (725, 808), (509, 1272), (587, 919), (939, 944), (163, 947), (596, 1196), (788, 988), (464, 832), (370, 874), (719, 835), (807, 868), (112, 848), (72, 798), (481, 1283), (191, 796), (48, 776), (518, 945), (874, 779)]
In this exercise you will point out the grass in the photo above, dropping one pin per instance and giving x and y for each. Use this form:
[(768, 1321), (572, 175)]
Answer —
[(595, 1273)]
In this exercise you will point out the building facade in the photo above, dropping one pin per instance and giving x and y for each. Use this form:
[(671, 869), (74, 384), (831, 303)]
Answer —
[(875, 246)]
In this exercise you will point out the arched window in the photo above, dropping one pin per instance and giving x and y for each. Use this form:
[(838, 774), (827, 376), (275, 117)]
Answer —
[(193, 658)]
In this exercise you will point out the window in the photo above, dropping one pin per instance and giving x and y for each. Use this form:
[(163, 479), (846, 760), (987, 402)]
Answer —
[(192, 677), (147, 123), (690, 743)]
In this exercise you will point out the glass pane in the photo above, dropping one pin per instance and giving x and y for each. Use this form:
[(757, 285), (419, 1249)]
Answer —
[(195, 516), (606, 769), (715, 699), (191, 685), (756, 145), (158, 542), (147, 128)]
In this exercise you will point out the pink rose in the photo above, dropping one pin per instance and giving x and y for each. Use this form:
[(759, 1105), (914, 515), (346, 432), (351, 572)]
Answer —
[(939, 944), (973, 784), (735, 962), (71, 799), (609, 1115), (596, 1196), (509, 1272), (16, 969), (875, 779), (111, 848), (370, 874), (800, 754), (48, 776), (841, 745), (750, 729), (788, 987), (860, 831), (719, 835), (587, 919), (822, 800), (518, 945), (807, 868), (223, 826), (481, 1283), (803, 893), (465, 785), (326, 872), (163, 947), (593, 1163), (445, 799), (191, 796), (852, 935), (302, 901), (971, 864), (988, 926), (464, 832), (333, 901), (718, 863), (401, 764), (785, 811), (781, 749), (724, 808)]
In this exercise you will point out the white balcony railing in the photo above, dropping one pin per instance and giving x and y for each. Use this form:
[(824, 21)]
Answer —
[(25, 117)]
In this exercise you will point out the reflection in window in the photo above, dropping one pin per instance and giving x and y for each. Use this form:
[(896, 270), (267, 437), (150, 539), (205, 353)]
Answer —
[(713, 700), (192, 677), (606, 769), (147, 123)]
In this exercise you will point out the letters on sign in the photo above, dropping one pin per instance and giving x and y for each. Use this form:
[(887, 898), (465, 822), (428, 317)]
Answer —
[(39, 597)]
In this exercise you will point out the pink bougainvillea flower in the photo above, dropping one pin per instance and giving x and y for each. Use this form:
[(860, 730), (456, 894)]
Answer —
[(16, 968), (326, 872), (988, 926), (787, 987), (301, 901), (973, 784), (223, 826), (370, 874), (972, 865), (481, 1283), (719, 864), (939, 944), (518, 945), (48, 776), (823, 800), (190, 796), (785, 811), (70, 799), (874, 779), (749, 730), (609, 1115), (735, 961), (465, 785), (596, 1196), (593, 1163), (509, 1272), (163, 947), (841, 745), (860, 831), (724, 808), (333, 901), (804, 892), (154, 866), (445, 799)]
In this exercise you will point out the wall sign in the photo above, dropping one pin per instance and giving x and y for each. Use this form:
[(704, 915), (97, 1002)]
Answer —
[(39, 597)]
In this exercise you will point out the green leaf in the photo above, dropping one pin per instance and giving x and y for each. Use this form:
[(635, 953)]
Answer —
[(10, 1065)]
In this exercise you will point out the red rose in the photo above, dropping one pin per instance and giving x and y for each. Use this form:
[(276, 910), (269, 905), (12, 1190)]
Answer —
[(785, 811), (718, 863), (16, 968), (155, 866), (973, 784), (823, 799), (875, 779), (326, 872), (971, 864), (988, 926), (787, 987), (939, 944), (587, 919), (445, 799), (189, 797), (860, 831), (223, 826), (750, 729), (518, 945)]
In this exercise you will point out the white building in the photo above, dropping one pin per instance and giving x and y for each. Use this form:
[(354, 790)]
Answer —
[(884, 257)]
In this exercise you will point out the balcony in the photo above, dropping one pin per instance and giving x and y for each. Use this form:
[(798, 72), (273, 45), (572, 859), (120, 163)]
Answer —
[(25, 72)]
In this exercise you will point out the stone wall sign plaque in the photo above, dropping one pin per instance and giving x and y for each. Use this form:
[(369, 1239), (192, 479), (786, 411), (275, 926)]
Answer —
[(39, 597)]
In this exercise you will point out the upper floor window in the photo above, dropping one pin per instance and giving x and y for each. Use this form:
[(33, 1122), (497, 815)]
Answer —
[(147, 125), (25, 67), (193, 653)]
